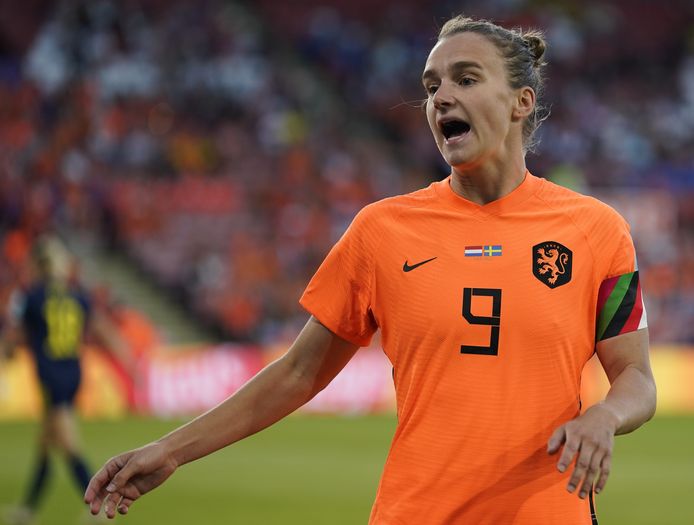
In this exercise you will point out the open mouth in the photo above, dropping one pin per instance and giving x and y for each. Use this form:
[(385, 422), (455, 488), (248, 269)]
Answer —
[(454, 129)]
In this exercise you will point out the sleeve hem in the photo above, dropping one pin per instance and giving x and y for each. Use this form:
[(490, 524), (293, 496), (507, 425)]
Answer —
[(334, 326)]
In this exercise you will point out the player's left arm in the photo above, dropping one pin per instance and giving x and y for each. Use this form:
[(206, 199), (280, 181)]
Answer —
[(630, 402), (107, 334)]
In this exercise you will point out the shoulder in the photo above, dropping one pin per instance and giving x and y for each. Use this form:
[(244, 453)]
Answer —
[(28, 303), (605, 231), (389, 209), (584, 210), (33, 294), (81, 295), (78, 291), (376, 222)]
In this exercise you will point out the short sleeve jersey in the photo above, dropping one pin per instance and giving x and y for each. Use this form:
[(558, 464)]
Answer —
[(488, 315)]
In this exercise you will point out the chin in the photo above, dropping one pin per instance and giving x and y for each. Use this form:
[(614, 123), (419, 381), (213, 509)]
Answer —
[(460, 161), (460, 156)]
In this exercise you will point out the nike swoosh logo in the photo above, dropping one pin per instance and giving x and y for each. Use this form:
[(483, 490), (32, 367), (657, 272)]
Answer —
[(407, 268)]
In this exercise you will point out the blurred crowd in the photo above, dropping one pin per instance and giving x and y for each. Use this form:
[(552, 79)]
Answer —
[(224, 147)]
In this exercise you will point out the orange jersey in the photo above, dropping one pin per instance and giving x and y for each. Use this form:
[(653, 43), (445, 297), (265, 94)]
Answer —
[(488, 315)]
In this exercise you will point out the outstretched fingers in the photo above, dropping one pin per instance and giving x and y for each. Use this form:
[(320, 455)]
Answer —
[(584, 471), (589, 478), (587, 443), (96, 491), (605, 467), (110, 485), (560, 437), (556, 440), (120, 501), (124, 505)]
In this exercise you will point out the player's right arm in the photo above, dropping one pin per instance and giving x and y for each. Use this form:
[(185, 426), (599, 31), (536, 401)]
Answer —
[(12, 334), (9, 339), (312, 361)]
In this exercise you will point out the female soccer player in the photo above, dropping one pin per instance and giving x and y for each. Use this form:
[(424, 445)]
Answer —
[(491, 288), (52, 318)]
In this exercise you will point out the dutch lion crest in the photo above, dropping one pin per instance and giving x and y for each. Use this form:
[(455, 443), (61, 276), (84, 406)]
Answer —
[(552, 263)]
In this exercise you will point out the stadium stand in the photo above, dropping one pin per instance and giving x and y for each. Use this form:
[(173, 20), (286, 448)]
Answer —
[(225, 146)]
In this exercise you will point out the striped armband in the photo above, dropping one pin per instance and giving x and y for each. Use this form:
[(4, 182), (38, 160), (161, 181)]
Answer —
[(620, 306)]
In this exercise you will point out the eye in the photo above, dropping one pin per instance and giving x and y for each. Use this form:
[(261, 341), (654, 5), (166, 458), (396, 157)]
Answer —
[(431, 89), (467, 81)]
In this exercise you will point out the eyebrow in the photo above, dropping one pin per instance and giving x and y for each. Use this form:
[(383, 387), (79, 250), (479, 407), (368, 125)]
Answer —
[(454, 68)]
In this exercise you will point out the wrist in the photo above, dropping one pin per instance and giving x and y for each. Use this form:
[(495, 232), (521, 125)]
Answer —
[(173, 448), (609, 414)]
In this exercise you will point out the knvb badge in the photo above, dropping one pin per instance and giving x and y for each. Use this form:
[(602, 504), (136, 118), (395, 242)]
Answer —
[(487, 250), (552, 262)]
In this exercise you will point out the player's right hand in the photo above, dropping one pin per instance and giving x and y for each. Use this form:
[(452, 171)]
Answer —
[(124, 478)]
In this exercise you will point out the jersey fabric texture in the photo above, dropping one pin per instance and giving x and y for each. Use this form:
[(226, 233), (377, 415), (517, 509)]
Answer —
[(488, 315), (54, 319)]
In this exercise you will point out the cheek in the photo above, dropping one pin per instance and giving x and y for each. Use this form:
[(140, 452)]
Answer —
[(503, 108), (431, 117), (495, 116)]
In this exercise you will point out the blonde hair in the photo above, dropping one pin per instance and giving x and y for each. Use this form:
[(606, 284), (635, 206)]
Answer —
[(52, 258)]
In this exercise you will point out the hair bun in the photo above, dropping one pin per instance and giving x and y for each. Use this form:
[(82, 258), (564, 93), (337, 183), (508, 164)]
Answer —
[(536, 45)]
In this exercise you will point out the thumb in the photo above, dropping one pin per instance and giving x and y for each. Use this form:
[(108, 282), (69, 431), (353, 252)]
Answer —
[(558, 437), (128, 467)]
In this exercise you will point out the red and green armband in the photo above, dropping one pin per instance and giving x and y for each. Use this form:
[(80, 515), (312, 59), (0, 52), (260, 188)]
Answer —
[(620, 306)]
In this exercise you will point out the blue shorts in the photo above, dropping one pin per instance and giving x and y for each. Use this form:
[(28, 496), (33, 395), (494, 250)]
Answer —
[(60, 382)]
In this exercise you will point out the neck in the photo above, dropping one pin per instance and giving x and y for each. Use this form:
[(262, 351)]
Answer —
[(488, 181)]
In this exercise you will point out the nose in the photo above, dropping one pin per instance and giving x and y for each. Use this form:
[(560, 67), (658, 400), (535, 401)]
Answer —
[(443, 96)]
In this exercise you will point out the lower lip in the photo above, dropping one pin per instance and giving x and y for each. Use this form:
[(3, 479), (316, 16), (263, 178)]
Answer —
[(457, 139)]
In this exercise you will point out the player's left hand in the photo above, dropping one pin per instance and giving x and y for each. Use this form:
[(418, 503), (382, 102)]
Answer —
[(589, 439)]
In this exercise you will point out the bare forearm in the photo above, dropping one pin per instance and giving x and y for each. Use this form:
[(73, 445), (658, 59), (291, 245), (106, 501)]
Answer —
[(631, 399), (9, 341), (274, 393), (314, 359), (108, 335)]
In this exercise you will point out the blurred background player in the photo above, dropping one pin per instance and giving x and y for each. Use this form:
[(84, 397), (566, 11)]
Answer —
[(51, 317)]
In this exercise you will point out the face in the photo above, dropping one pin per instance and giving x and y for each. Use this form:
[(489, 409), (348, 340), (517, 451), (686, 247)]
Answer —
[(471, 109)]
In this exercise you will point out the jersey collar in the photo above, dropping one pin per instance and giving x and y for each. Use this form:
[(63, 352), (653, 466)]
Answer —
[(505, 204)]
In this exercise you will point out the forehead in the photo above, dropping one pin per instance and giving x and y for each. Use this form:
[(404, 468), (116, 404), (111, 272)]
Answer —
[(464, 47)]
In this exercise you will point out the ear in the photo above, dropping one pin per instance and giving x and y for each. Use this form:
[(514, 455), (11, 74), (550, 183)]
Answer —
[(524, 103)]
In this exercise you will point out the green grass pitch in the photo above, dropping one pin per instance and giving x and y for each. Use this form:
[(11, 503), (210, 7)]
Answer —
[(324, 470)]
